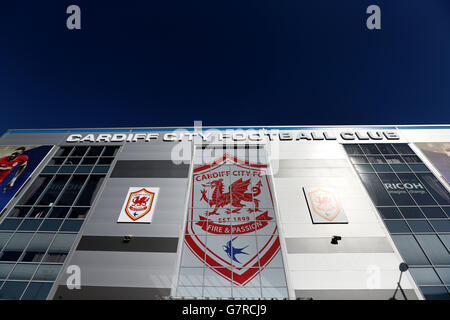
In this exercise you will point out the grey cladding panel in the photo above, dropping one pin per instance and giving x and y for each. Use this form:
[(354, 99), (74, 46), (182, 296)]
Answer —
[(136, 244), (110, 293), (346, 245), (149, 169), (32, 138), (354, 294), (169, 211), (155, 151)]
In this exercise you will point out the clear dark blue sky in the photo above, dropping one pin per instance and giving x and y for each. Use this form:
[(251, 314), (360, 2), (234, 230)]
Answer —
[(170, 62)]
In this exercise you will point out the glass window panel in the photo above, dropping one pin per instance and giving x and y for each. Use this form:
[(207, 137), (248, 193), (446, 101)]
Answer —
[(400, 168), (376, 159), (4, 237), (51, 225), (411, 213), (84, 169), (352, 149), (394, 159), (441, 225), (420, 226), (47, 272), (54, 190), (100, 169), (23, 271), (435, 188), (39, 212), (412, 159), (415, 167), (5, 269), (410, 250), (433, 212), (73, 161), (397, 226), (19, 241), (60, 248), (10, 255), (369, 149), (89, 161), (446, 240), (33, 193), (63, 151), (94, 151), (62, 243), (71, 190), (425, 276), (79, 151), (10, 224), (447, 211), (396, 189), (37, 247), (67, 169), (57, 257), (403, 148), (444, 273), (382, 168), (78, 213), (386, 148), (90, 191), (110, 151), (19, 212), (30, 224), (50, 169), (435, 293), (105, 160), (59, 212), (57, 161), (376, 190), (40, 242), (434, 249), (71, 225), (416, 189), (390, 213), (37, 291), (273, 277), (32, 256), (358, 159), (363, 168), (12, 290)]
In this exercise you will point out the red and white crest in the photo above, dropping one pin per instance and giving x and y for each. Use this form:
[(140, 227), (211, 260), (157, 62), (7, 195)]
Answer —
[(324, 203), (139, 205), (231, 225)]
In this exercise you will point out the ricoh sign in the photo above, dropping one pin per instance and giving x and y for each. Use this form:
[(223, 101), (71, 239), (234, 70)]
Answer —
[(209, 136)]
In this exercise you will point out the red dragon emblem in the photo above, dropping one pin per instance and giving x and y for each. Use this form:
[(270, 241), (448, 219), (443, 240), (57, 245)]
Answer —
[(231, 203), (235, 195), (139, 204)]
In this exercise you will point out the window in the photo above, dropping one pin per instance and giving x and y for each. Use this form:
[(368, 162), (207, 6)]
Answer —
[(376, 190), (415, 208), (90, 191), (37, 235), (410, 250), (208, 266), (71, 190)]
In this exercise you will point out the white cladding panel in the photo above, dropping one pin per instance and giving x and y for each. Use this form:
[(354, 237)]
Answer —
[(325, 164)]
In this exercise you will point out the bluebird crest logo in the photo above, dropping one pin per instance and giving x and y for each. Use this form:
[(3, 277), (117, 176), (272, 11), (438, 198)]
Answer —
[(232, 251)]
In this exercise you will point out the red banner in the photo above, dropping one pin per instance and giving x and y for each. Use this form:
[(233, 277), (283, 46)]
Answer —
[(217, 228)]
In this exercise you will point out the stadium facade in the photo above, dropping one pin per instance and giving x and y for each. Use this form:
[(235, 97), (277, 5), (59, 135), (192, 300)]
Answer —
[(250, 212)]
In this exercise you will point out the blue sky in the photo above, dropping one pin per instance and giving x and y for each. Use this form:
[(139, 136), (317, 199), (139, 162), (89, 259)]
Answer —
[(167, 63)]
